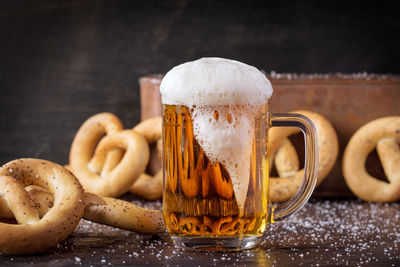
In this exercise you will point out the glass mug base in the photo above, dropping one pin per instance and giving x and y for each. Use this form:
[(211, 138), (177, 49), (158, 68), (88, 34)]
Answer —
[(217, 243)]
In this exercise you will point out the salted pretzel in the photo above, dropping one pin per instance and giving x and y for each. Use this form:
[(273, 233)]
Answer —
[(384, 134), (34, 233), (125, 215), (47, 201), (99, 135), (103, 210), (285, 186)]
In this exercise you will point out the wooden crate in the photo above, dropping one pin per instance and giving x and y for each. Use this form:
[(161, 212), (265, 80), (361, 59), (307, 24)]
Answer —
[(347, 101)]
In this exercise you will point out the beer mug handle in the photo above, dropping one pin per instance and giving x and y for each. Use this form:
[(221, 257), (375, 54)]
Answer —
[(283, 210)]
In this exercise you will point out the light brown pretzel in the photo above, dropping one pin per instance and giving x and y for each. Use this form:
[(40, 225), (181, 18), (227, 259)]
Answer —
[(125, 215), (150, 129), (147, 186), (286, 186), (384, 134), (42, 201), (103, 210), (286, 160), (88, 155), (35, 233)]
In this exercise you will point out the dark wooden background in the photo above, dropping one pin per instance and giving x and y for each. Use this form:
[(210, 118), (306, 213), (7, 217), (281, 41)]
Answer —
[(62, 61)]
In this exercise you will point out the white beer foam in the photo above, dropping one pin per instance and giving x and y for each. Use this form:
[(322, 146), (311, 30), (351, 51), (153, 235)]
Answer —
[(206, 85), (228, 142), (215, 81)]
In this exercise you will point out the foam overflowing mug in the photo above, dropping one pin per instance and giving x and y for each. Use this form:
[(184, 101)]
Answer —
[(215, 138)]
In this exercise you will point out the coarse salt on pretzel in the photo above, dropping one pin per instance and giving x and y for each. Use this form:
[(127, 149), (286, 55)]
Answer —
[(283, 188), (20, 205), (88, 155), (104, 210), (384, 134), (33, 233), (42, 201), (125, 215)]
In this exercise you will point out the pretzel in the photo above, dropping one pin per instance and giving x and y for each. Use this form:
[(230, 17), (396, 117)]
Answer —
[(384, 134), (147, 186), (286, 159), (125, 215), (287, 163), (150, 129), (103, 210), (34, 233), (109, 211), (41, 200), (87, 160)]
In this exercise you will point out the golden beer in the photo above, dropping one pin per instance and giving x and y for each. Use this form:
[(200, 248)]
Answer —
[(199, 198)]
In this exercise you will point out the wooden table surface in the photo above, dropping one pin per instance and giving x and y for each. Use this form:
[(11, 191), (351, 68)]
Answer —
[(323, 233)]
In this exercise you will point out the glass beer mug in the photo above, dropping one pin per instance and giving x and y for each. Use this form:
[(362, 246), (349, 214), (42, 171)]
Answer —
[(215, 161)]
